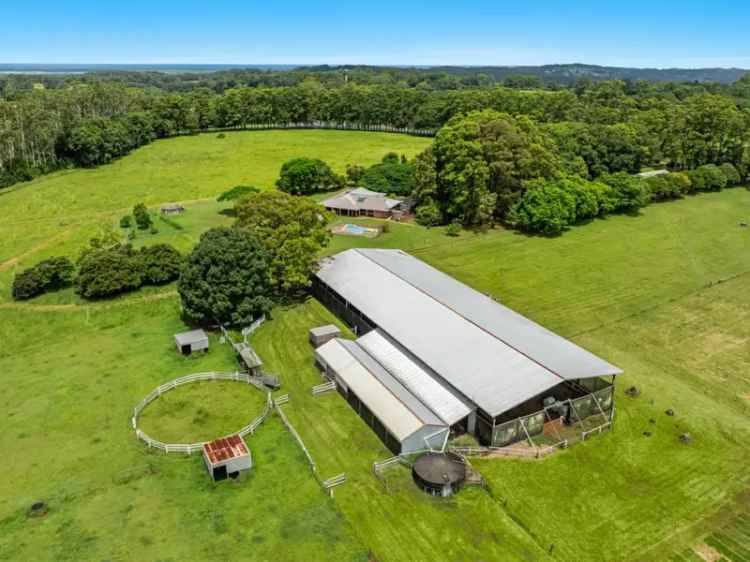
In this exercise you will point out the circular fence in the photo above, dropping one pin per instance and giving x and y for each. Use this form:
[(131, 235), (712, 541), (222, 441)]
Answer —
[(190, 448)]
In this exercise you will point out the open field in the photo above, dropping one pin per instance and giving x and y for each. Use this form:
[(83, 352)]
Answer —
[(61, 211), (665, 296), (70, 380)]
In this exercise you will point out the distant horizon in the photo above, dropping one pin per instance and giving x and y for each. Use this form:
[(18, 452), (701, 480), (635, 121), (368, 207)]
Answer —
[(220, 65), (636, 34)]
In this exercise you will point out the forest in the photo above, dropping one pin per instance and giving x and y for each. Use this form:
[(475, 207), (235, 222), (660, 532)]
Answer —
[(494, 144)]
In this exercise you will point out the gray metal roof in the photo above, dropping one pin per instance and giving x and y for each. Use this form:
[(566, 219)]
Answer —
[(447, 404), (191, 337), (361, 199), (490, 354), (329, 329), (396, 408), (249, 357)]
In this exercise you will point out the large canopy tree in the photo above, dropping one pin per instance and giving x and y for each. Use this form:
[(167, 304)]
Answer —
[(226, 278), (482, 160), (302, 176), (292, 229)]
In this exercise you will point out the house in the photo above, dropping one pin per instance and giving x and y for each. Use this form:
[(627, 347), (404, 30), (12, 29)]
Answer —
[(363, 202), (448, 358), (227, 457), (194, 340)]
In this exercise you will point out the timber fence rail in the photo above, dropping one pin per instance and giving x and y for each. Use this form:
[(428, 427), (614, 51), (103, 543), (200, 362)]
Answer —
[(324, 387), (190, 448), (337, 125)]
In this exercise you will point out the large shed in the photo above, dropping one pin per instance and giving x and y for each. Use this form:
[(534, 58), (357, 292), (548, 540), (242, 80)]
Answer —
[(488, 357), (396, 415), (194, 340)]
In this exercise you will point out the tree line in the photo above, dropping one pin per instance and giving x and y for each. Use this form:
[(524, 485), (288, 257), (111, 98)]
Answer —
[(608, 126)]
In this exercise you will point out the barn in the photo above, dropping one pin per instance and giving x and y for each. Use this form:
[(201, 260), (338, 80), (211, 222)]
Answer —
[(476, 365)]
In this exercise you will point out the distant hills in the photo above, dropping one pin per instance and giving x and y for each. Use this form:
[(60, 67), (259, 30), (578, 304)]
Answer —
[(550, 73), (568, 73)]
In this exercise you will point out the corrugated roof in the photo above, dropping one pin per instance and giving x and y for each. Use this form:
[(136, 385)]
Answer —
[(396, 408), (361, 199), (465, 337), (225, 448), (559, 355), (193, 336), (327, 330), (424, 385)]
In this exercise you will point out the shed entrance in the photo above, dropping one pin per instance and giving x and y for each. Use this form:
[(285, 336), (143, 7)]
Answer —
[(220, 473)]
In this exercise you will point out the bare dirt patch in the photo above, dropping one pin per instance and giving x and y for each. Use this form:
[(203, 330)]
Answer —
[(707, 553)]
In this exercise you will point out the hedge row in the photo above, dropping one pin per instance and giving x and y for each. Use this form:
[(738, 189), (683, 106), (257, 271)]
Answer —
[(551, 206)]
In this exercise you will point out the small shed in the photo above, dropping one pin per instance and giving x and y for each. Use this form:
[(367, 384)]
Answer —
[(323, 334), (227, 457), (172, 209), (248, 357), (194, 340)]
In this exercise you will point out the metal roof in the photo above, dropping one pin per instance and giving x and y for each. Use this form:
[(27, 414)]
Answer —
[(448, 405), (224, 449), (327, 330), (249, 357), (493, 356), (396, 408), (193, 336), (560, 356), (361, 199)]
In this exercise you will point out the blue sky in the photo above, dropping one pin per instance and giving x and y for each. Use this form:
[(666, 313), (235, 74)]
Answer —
[(682, 33)]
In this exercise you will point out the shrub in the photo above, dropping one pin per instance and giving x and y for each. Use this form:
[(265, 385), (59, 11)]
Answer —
[(142, 216), (237, 192), (108, 272), (126, 221), (221, 136), (697, 179), (715, 180), (303, 176), (454, 228), (629, 192), (48, 275), (153, 229), (587, 204), (731, 173), (354, 174), (667, 186), (226, 278), (160, 264), (390, 176), (428, 214), (544, 208)]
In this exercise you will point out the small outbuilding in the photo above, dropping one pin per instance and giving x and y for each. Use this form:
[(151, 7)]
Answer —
[(323, 334), (172, 209), (194, 340), (227, 457)]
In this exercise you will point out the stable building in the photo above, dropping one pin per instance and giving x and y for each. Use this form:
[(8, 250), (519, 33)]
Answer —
[(227, 457), (194, 340), (477, 365)]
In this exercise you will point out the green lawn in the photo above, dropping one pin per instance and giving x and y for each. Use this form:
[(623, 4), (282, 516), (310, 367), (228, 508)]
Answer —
[(70, 381), (61, 211), (665, 296)]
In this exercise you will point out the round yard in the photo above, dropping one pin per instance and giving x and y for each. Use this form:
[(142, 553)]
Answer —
[(201, 411)]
